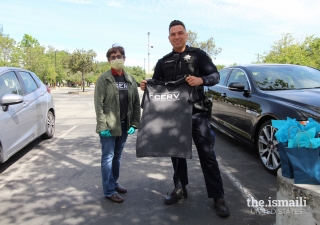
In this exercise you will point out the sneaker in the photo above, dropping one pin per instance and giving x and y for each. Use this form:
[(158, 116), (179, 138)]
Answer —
[(175, 196), (221, 207)]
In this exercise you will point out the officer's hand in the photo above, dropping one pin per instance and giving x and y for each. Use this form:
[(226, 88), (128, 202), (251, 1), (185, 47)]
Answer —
[(131, 130), (194, 81), (143, 85), (105, 133)]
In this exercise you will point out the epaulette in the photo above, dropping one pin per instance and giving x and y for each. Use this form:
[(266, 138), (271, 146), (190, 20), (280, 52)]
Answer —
[(191, 49), (169, 54), (188, 49)]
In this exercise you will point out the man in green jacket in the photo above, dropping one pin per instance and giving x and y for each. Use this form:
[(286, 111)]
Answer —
[(117, 106)]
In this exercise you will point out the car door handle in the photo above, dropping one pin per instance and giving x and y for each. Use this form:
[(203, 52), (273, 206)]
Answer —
[(42, 93), (223, 94), (26, 104)]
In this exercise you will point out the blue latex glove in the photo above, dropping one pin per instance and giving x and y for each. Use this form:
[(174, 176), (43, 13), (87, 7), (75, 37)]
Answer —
[(131, 130), (105, 133)]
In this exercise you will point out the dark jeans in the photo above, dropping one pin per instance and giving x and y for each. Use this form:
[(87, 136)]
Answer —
[(204, 139)]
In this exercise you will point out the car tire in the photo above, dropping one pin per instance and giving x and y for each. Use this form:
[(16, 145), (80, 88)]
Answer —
[(50, 126), (267, 146)]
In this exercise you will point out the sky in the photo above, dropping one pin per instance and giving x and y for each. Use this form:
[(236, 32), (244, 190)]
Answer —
[(243, 29)]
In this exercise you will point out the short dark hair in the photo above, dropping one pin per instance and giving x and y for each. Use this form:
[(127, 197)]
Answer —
[(114, 50), (175, 23)]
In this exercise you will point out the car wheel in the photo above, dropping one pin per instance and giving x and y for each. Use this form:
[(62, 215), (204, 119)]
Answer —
[(50, 126), (267, 145)]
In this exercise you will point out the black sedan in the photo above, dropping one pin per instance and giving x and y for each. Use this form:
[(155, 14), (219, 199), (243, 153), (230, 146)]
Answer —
[(248, 97)]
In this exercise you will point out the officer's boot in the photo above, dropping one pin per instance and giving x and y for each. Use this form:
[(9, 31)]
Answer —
[(178, 193), (221, 207)]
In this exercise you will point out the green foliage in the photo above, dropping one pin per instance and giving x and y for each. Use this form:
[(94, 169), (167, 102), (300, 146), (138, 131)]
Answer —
[(208, 46), (35, 59), (91, 79), (219, 67), (288, 50), (137, 72), (29, 41), (9, 52), (102, 67), (81, 61), (58, 59)]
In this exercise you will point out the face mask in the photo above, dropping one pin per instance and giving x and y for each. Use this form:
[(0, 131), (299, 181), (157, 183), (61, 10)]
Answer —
[(117, 64)]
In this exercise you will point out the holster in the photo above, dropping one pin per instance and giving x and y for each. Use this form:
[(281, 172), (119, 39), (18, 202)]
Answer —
[(205, 105)]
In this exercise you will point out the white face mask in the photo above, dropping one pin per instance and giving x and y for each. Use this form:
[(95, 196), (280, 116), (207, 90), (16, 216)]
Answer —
[(117, 64)]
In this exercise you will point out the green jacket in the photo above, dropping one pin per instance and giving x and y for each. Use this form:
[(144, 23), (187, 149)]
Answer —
[(107, 105)]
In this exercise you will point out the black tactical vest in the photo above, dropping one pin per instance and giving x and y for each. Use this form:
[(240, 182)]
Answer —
[(177, 66)]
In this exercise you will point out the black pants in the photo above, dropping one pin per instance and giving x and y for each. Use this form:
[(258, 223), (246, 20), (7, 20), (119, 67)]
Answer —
[(204, 139)]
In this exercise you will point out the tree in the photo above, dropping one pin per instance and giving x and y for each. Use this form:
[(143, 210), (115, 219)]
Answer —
[(82, 61), (137, 72), (208, 46), (35, 59), (58, 59), (288, 50), (9, 53), (219, 67), (312, 51), (102, 67), (29, 41)]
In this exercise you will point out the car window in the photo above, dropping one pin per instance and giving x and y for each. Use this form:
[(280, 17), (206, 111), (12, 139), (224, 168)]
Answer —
[(9, 84), (38, 81), (223, 76), (238, 76), (29, 82), (285, 77)]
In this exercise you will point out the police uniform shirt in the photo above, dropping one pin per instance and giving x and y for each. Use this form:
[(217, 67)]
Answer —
[(193, 61), (123, 96), (166, 123)]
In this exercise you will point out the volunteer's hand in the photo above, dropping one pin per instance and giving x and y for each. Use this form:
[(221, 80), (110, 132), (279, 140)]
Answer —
[(194, 81), (131, 130), (105, 133), (143, 85)]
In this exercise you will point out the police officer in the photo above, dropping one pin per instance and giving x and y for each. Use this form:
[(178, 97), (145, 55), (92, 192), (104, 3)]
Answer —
[(185, 60)]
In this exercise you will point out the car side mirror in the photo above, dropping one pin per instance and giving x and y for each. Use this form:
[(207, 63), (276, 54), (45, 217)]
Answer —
[(10, 99), (236, 86)]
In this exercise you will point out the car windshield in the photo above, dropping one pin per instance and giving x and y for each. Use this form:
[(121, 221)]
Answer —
[(284, 77)]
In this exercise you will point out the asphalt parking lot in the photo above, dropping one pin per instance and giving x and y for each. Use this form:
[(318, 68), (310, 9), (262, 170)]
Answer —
[(58, 181)]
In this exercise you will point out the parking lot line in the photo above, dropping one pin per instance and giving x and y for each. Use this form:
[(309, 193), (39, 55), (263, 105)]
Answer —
[(244, 191), (35, 157)]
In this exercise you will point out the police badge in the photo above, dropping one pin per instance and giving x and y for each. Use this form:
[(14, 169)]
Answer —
[(187, 57)]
